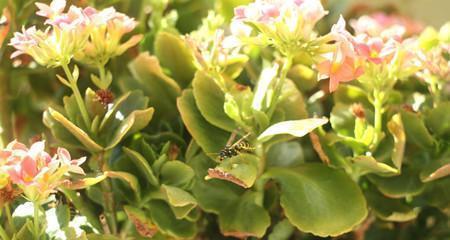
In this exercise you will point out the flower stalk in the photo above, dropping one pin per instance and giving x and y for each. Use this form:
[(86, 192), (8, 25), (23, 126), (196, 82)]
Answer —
[(283, 75), (77, 94), (36, 223)]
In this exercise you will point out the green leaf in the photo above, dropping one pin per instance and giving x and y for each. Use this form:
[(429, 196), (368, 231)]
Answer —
[(234, 219), (313, 196), (405, 185), (141, 221), (342, 120), (437, 193), (181, 202), (211, 139), (395, 127), (441, 172), (285, 154), (368, 164), (142, 165), (177, 174), (63, 215), (234, 65), (390, 209), (167, 222), (127, 177), (438, 119), (210, 101), (241, 170), (232, 109), (349, 94), (297, 128), (82, 136), (416, 132), (84, 182), (137, 120), (222, 197), (304, 77), (110, 114), (161, 90), (282, 231), (292, 103), (60, 132), (173, 53)]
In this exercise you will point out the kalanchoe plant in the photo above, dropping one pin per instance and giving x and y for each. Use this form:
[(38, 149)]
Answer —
[(221, 119)]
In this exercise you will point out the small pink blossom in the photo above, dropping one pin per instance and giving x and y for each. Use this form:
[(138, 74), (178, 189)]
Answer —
[(55, 8), (386, 26), (375, 49), (343, 64), (74, 164), (34, 170), (283, 22), (22, 41)]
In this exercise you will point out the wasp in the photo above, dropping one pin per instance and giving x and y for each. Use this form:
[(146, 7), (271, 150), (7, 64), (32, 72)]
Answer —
[(230, 151)]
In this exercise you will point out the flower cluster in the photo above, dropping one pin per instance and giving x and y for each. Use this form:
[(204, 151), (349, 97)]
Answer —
[(286, 24), (34, 171), (91, 36), (386, 26), (372, 55)]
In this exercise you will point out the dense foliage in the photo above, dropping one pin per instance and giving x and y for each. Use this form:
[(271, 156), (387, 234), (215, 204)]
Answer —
[(201, 119)]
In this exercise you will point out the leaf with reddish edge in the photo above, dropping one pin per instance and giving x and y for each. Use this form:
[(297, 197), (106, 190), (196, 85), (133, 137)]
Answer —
[(141, 221)]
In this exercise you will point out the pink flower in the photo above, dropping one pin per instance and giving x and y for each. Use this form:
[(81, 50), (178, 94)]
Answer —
[(34, 170), (375, 49), (386, 26), (74, 164), (75, 19), (55, 8), (22, 41), (343, 64)]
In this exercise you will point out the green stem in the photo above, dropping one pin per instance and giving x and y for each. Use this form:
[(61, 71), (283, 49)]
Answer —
[(9, 218), (279, 87), (36, 221), (378, 121), (3, 234), (108, 196), (378, 105), (77, 94)]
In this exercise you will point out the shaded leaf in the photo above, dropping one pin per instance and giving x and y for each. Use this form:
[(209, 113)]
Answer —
[(368, 164), (208, 137), (416, 132), (177, 174), (305, 188), (395, 127), (234, 219), (404, 185), (210, 101), (141, 221), (173, 53), (180, 201), (167, 222), (127, 177), (142, 165), (82, 136), (161, 90)]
